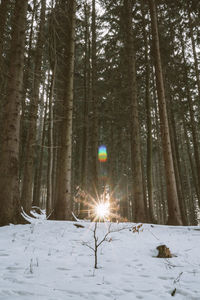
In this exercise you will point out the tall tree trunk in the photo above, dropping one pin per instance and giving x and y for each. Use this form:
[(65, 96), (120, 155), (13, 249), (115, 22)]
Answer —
[(9, 158), (28, 174), (176, 160), (172, 197), (186, 174), (194, 51), (63, 196), (138, 195), (149, 121), (3, 14), (49, 202), (192, 163), (94, 104), (84, 156), (159, 184), (192, 117), (40, 155), (27, 76)]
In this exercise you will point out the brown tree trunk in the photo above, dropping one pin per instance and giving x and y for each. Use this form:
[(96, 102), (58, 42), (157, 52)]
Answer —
[(172, 197), (192, 164), (9, 158), (192, 117), (3, 14), (28, 174), (94, 104), (63, 188), (138, 194), (40, 155), (84, 154), (158, 158), (27, 75), (176, 160), (194, 51), (49, 202), (186, 174), (149, 121)]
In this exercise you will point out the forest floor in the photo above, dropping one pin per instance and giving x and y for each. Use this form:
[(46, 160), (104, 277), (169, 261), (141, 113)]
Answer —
[(52, 261)]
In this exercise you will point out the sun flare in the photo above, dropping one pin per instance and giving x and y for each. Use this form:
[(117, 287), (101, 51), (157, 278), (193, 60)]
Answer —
[(102, 210)]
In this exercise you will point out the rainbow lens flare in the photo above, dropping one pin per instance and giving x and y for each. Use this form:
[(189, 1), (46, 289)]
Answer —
[(102, 154)]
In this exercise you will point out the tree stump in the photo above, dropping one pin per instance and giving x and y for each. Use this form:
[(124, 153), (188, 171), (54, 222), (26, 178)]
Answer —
[(163, 252)]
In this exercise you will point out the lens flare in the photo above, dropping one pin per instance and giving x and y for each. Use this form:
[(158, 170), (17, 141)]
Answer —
[(102, 210), (102, 207), (102, 154)]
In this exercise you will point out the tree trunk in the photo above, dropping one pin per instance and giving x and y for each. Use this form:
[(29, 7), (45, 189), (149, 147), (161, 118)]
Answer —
[(192, 164), (176, 160), (84, 154), (172, 197), (139, 213), (63, 196), (28, 174), (94, 104), (149, 121), (28, 70), (159, 184), (192, 118), (3, 14), (40, 155), (9, 158), (194, 52), (49, 202)]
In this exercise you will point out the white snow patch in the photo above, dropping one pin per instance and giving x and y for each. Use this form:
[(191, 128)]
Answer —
[(47, 260)]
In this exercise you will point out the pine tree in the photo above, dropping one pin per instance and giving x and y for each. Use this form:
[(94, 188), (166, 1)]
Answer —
[(172, 197), (9, 158), (63, 190)]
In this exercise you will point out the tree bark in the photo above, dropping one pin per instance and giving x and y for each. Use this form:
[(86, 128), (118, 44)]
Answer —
[(49, 202), (94, 104), (28, 69), (84, 154), (3, 14), (9, 158), (192, 118), (194, 52), (40, 155), (148, 121), (63, 196), (28, 174), (174, 217), (138, 196)]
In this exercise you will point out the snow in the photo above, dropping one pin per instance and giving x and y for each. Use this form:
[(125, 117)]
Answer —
[(48, 260)]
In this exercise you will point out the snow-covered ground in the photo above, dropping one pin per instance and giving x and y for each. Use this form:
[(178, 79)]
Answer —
[(48, 260)]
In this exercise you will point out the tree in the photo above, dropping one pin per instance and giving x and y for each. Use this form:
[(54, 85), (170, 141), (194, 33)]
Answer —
[(28, 173), (87, 75), (63, 189), (172, 197), (149, 120), (94, 133), (138, 193), (9, 158)]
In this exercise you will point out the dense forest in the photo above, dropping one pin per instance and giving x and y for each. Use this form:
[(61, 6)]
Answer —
[(76, 75)]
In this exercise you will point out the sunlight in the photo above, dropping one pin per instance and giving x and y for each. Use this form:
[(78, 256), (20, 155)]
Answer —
[(102, 210), (101, 207)]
